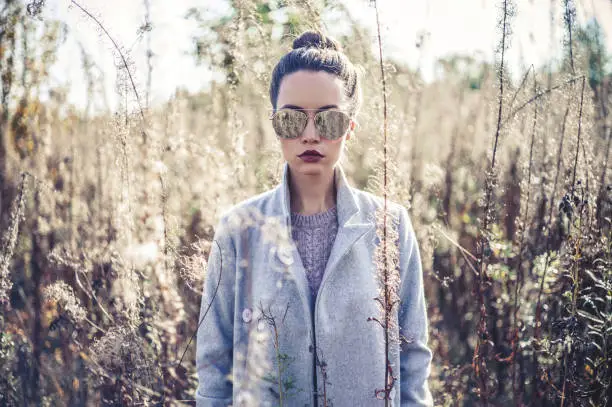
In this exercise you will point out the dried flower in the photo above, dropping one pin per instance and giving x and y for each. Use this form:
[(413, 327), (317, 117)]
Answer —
[(63, 294), (193, 268)]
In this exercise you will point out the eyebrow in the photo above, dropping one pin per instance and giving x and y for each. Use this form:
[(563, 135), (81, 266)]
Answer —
[(301, 108)]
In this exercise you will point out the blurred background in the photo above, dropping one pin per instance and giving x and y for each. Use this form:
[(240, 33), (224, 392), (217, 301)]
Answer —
[(127, 127)]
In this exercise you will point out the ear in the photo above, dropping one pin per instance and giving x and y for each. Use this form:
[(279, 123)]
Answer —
[(351, 130)]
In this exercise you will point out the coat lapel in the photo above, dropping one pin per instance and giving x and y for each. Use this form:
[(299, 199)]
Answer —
[(352, 225)]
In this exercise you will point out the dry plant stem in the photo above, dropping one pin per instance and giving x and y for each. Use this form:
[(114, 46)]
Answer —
[(457, 245), (538, 314), (414, 154), (579, 133), (71, 192), (569, 12), (133, 84), (450, 163), (149, 54), (90, 293), (558, 171), (271, 321), (94, 325), (479, 362), (121, 54), (385, 198), (464, 252), (164, 202), (112, 377), (576, 282), (8, 45), (42, 366), (523, 81), (539, 95), (279, 370), (519, 274), (207, 309), (10, 239), (125, 172), (546, 263), (501, 85)]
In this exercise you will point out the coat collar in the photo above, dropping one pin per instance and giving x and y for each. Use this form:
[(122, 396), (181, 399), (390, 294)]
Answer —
[(346, 201), (353, 223)]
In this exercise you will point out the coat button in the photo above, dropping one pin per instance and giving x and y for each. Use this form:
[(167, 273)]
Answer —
[(247, 314)]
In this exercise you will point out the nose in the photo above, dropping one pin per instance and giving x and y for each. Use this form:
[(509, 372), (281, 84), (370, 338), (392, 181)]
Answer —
[(310, 133)]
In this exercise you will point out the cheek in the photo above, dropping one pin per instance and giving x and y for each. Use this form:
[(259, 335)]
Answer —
[(333, 144), (287, 145)]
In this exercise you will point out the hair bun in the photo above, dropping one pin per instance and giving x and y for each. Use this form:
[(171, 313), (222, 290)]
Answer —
[(315, 39)]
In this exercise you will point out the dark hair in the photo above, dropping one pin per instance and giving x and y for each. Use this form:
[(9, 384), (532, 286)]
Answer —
[(314, 51)]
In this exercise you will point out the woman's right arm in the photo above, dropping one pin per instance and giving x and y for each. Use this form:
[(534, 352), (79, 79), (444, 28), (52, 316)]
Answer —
[(214, 349)]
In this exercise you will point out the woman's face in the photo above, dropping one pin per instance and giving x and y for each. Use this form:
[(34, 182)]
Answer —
[(312, 90)]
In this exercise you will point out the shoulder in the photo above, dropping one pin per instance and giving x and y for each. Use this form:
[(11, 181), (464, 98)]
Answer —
[(371, 203), (261, 201), (248, 212)]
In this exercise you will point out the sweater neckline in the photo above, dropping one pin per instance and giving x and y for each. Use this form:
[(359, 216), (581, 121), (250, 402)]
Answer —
[(316, 219)]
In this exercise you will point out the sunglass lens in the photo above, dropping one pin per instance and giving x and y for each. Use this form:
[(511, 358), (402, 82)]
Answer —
[(289, 123), (332, 124)]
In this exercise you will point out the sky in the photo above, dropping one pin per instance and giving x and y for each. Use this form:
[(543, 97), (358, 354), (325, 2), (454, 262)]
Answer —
[(451, 27)]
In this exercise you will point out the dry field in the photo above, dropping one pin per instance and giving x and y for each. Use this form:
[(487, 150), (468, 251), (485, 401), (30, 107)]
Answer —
[(106, 220)]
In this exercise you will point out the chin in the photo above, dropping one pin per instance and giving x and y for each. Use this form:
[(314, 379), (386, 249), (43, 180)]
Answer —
[(311, 168)]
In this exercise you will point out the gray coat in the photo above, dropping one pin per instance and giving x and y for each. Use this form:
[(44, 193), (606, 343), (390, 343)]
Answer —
[(260, 326)]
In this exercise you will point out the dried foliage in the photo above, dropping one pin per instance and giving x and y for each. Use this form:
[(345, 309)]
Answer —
[(106, 221)]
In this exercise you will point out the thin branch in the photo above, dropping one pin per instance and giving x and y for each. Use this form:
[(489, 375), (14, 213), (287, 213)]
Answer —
[(387, 388), (579, 133), (539, 95), (121, 55), (209, 305)]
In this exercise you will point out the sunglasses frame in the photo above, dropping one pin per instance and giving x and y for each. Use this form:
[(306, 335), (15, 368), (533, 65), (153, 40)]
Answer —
[(274, 112)]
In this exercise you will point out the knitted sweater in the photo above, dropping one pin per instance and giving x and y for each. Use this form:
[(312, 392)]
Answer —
[(314, 236)]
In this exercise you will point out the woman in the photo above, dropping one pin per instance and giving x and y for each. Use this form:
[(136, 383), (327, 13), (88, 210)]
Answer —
[(288, 305)]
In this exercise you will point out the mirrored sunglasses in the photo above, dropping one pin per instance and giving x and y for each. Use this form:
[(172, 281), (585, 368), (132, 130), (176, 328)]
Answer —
[(290, 123)]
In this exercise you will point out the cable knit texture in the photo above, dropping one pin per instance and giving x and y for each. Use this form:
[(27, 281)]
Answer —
[(314, 236)]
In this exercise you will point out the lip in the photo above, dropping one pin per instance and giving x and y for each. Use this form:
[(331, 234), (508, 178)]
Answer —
[(311, 153), (310, 158)]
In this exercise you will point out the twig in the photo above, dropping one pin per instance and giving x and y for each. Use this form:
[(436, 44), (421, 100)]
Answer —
[(387, 388), (579, 133), (208, 308), (539, 95), (121, 55)]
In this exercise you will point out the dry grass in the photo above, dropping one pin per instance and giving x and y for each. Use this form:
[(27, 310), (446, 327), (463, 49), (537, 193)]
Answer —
[(106, 221)]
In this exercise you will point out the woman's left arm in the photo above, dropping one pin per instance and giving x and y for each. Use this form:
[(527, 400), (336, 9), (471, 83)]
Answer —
[(415, 355)]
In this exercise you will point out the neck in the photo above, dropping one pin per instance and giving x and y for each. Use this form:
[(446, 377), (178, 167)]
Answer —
[(312, 194)]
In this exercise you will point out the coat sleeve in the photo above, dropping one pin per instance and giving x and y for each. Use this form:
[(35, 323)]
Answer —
[(415, 355), (214, 349)]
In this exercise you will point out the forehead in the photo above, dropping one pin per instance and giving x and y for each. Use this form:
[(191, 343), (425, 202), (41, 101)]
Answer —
[(310, 90)]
